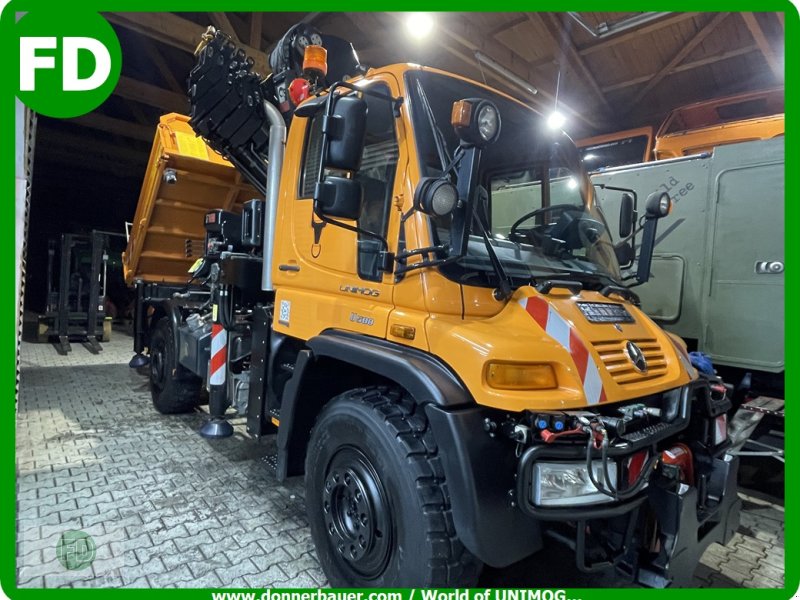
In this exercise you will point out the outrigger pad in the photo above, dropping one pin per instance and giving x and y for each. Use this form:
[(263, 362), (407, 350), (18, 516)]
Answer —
[(139, 361), (216, 428)]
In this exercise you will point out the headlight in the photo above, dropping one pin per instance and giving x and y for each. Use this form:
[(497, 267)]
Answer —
[(568, 484), (443, 199), (658, 205), (488, 122), (435, 196)]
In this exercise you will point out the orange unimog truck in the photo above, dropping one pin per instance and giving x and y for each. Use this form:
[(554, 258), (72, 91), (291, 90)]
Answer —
[(702, 126), (427, 311), (617, 149)]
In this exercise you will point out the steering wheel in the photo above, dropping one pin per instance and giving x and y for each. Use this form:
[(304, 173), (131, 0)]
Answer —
[(514, 233), (589, 231)]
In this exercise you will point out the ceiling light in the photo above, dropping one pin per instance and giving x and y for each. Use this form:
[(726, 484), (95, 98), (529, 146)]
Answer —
[(556, 120), (419, 25)]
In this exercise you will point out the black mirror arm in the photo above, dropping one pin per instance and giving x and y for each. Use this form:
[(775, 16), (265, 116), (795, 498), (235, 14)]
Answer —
[(604, 186), (647, 248), (436, 262), (401, 256)]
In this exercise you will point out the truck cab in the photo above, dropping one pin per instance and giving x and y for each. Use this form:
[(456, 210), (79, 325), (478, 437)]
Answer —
[(427, 309)]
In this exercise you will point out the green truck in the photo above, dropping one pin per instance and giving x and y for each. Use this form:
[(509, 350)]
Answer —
[(718, 267), (717, 276)]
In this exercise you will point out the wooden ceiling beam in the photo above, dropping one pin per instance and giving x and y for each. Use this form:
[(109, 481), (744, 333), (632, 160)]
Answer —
[(563, 44), (256, 28), (687, 66), (685, 50), (163, 68), (631, 34), (177, 32), (221, 21), (763, 43), (138, 113), (119, 127), (151, 95), (168, 28), (472, 41), (510, 24)]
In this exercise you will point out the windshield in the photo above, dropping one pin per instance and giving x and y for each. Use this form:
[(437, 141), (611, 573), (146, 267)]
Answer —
[(530, 194)]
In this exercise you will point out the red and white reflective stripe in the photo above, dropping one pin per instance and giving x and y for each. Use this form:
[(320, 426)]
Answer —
[(721, 429), (219, 354), (561, 331)]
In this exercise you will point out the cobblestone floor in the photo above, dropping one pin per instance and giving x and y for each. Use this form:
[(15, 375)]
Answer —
[(167, 508)]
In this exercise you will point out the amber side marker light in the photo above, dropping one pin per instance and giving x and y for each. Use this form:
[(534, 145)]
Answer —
[(520, 376), (462, 113), (403, 331)]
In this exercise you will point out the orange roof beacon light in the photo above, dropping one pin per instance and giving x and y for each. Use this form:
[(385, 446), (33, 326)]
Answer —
[(315, 61)]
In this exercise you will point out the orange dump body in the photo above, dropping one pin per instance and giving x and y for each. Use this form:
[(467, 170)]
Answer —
[(169, 214)]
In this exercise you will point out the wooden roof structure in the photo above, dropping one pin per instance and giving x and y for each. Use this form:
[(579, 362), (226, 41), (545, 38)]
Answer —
[(614, 70)]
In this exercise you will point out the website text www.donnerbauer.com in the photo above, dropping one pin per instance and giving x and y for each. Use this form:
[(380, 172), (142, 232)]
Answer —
[(407, 594)]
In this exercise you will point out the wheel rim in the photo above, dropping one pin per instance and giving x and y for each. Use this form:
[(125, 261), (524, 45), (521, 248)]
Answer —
[(356, 513), (157, 365)]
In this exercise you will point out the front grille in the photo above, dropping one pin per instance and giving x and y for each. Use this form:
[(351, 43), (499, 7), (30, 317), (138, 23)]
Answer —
[(617, 363)]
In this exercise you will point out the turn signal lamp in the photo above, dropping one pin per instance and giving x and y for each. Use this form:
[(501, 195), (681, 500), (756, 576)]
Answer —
[(403, 331), (520, 376), (315, 59), (461, 116)]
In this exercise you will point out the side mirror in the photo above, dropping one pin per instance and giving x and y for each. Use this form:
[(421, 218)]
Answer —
[(625, 254), (436, 197), (627, 216), (658, 205), (339, 197), (345, 129)]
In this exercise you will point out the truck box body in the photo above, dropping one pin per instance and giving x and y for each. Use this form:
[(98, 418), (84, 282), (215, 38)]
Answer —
[(169, 214), (726, 222)]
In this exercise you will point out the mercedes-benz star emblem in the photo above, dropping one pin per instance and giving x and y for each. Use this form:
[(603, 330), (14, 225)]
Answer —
[(636, 356)]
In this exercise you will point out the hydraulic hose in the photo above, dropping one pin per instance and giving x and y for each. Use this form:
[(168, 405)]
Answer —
[(607, 487)]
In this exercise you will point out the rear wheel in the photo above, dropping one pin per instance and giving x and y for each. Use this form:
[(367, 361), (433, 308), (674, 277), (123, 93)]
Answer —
[(376, 496), (174, 388)]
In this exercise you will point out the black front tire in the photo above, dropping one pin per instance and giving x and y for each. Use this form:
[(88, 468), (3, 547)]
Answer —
[(174, 388), (377, 499)]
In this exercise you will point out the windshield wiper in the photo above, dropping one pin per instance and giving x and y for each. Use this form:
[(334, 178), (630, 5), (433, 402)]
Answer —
[(438, 136), (504, 282)]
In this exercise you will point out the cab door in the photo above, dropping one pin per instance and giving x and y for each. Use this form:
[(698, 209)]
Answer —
[(328, 276)]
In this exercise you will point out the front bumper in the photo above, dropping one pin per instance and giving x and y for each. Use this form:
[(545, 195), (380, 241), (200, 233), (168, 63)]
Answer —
[(620, 534)]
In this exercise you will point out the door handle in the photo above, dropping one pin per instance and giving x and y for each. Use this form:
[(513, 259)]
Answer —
[(769, 267)]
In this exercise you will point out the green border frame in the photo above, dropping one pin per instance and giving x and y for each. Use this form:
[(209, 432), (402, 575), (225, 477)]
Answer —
[(9, 50)]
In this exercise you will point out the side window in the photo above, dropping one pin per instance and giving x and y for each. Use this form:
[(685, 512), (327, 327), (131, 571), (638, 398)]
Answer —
[(376, 175), (311, 158)]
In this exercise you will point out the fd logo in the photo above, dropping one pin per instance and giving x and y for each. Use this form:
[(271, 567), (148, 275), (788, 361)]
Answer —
[(68, 63)]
